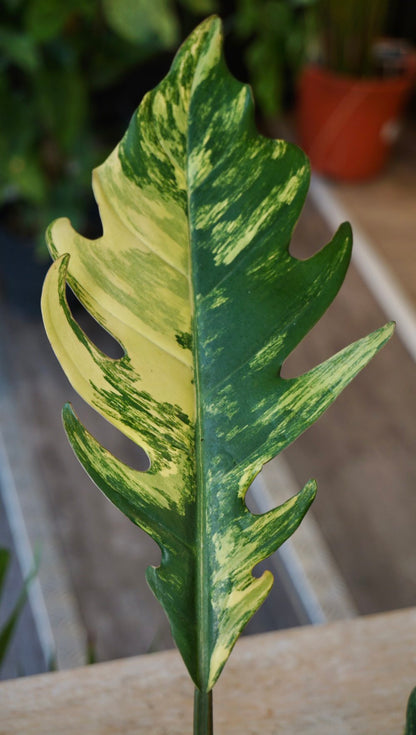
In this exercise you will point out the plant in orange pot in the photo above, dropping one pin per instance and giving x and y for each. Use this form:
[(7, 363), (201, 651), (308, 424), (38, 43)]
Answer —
[(351, 100)]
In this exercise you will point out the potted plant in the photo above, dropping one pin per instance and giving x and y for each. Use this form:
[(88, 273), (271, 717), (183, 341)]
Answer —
[(193, 276), (350, 101)]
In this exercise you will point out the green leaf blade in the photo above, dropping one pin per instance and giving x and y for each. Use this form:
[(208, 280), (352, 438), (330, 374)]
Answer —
[(10, 624), (410, 728), (194, 278)]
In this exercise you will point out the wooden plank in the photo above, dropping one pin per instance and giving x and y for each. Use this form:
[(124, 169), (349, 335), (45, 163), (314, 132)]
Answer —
[(348, 677), (362, 451), (27, 517)]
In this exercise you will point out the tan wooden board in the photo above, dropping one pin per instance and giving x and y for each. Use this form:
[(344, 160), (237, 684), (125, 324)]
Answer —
[(347, 677)]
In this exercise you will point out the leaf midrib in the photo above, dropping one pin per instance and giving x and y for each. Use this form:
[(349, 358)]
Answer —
[(201, 556)]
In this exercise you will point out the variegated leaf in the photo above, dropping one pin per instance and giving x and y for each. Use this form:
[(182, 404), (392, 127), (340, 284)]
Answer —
[(193, 277)]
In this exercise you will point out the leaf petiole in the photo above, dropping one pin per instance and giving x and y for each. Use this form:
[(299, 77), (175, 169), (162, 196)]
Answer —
[(203, 721)]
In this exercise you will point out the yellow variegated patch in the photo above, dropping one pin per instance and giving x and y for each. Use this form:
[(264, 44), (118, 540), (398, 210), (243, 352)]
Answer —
[(193, 277)]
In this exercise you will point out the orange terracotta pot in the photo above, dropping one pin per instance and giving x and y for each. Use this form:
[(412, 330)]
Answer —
[(347, 126)]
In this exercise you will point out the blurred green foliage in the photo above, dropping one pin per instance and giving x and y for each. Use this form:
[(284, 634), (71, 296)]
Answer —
[(277, 34), (61, 63), (348, 32), (55, 59)]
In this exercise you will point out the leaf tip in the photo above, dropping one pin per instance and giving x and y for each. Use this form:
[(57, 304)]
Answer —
[(311, 488), (385, 333), (68, 414)]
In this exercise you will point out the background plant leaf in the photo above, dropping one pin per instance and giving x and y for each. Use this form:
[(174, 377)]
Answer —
[(193, 276), (410, 728), (8, 628), (143, 22)]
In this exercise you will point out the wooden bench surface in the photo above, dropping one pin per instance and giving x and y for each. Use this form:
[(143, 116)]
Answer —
[(342, 678)]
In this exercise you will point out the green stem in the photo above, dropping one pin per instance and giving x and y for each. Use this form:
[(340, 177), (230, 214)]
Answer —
[(203, 713)]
